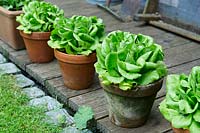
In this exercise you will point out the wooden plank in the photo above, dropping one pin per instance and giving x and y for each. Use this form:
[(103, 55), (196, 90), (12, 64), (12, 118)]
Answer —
[(44, 71), (151, 6), (147, 17), (169, 131), (95, 99), (56, 88), (61, 2), (182, 54), (155, 123), (111, 11), (135, 28), (108, 19), (20, 58), (169, 40), (78, 8), (5, 49), (186, 68), (182, 32)]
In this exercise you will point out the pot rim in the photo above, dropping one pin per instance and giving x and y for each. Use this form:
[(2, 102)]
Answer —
[(75, 59), (138, 91), (8, 13), (36, 35)]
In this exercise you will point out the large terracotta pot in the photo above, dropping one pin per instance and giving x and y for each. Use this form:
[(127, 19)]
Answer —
[(131, 108), (77, 70), (180, 130), (37, 47), (8, 31)]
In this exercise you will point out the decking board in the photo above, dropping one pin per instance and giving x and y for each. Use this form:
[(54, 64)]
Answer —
[(20, 58), (43, 71), (56, 87)]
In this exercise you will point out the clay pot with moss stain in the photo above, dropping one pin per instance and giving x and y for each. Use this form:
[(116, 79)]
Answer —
[(37, 47), (131, 108), (8, 31), (77, 70), (180, 130)]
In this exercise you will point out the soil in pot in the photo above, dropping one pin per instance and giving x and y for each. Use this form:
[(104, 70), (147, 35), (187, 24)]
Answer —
[(8, 31), (77, 70), (37, 47), (180, 130), (131, 108)]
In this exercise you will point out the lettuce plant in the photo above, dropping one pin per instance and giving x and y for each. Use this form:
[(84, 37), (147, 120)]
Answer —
[(78, 35), (38, 17), (14, 5), (182, 103), (128, 60)]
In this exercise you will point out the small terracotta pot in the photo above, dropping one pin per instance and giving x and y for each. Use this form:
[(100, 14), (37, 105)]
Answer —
[(77, 70), (131, 108), (8, 31), (37, 47), (180, 130)]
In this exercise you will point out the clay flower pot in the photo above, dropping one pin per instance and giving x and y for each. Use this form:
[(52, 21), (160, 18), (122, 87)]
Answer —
[(37, 47), (131, 108), (180, 130), (8, 31), (77, 70)]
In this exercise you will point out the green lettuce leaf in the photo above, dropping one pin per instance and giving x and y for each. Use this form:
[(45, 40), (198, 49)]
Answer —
[(195, 127), (135, 58), (181, 105), (38, 17), (182, 121), (81, 33)]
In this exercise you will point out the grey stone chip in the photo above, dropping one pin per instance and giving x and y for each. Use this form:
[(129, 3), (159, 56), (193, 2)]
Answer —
[(47, 102), (59, 116), (33, 92)]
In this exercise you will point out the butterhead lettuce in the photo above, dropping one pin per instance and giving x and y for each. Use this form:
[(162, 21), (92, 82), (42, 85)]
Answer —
[(182, 103), (129, 59), (78, 35), (38, 17)]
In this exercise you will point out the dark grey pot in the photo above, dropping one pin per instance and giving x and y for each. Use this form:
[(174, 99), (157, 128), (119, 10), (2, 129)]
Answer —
[(131, 108)]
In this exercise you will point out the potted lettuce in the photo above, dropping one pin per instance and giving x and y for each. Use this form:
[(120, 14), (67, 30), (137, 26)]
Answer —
[(131, 71), (74, 40), (9, 9), (181, 106), (36, 24)]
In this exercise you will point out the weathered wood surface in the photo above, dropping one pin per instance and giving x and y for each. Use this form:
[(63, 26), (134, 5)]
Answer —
[(44, 71), (180, 56), (56, 87)]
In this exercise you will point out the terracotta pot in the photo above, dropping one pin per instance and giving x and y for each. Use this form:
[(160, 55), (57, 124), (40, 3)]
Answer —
[(8, 31), (77, 70), (180, 130), (37, 47), (131, 108)]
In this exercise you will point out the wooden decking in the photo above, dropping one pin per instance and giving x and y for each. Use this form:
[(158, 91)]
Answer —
[(180, 56)]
